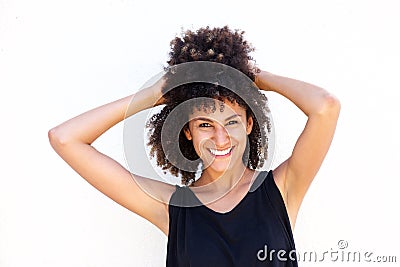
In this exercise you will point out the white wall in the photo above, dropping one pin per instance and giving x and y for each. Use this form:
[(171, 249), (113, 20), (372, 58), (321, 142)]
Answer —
[(61, 58)]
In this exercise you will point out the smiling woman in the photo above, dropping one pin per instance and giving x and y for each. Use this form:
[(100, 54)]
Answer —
[(205, 109), (219, 138), (232, 211)]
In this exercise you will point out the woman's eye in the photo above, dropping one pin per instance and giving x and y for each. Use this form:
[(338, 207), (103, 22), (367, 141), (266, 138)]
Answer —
[(205, 124), (232, 122)]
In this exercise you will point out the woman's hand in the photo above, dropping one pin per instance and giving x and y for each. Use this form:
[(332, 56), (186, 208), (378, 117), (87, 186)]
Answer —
[(310, 98), (260, 80), (146, 98)]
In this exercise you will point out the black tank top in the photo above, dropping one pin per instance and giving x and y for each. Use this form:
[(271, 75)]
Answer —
[(256, 232)]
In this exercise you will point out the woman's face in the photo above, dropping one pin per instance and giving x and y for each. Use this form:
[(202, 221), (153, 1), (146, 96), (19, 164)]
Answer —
[(219, 137)]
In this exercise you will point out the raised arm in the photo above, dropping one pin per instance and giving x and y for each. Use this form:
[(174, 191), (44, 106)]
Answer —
[(72, 141), (295, 175)]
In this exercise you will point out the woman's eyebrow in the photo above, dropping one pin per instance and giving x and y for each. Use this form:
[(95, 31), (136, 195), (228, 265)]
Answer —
[(202, 119), (207, 119), (233, 116)]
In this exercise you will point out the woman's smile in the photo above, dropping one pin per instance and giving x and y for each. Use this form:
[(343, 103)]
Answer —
[(221, 153)]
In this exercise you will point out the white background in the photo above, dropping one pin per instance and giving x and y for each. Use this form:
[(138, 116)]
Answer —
[(61, 58)]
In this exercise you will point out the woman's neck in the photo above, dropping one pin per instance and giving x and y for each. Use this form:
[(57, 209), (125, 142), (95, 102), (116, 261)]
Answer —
[(211, 180)]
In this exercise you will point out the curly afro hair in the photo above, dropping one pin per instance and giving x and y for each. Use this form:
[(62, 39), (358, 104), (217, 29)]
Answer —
[(220, 45)]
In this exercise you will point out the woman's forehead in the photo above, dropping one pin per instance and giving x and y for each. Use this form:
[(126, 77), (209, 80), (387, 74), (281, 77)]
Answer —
[(221, 110)]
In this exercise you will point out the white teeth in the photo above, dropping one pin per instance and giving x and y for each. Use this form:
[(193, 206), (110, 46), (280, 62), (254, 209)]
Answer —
[(220, 152)]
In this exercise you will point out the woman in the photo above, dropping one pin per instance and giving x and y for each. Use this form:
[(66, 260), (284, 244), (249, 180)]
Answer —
[(232, 214)]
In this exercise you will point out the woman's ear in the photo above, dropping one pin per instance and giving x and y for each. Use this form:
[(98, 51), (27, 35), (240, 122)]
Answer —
[(188, 135), (249, 126)]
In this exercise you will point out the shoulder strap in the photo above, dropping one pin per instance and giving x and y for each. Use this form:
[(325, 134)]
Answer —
[(258, 181), (184, 197)]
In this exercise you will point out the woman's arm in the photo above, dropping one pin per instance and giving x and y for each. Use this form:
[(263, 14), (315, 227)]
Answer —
[(72, 141), (295, 175)]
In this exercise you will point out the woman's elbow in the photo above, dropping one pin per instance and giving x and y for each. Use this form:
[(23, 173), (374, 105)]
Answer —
[(55, 138), (331, 105)]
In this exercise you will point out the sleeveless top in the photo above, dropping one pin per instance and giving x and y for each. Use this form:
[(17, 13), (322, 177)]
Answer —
[(256, 232)]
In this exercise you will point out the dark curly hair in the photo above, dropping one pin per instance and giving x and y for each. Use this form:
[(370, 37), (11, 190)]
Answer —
[(220, 45)]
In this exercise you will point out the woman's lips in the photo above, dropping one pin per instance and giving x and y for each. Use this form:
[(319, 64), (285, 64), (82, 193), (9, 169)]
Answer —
[(221, 153)]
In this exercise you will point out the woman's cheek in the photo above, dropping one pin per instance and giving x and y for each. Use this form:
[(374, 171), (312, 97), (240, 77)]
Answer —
[(237, 133), (200, 142)]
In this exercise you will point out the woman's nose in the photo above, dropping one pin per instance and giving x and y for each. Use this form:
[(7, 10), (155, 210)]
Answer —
[(221, 137)]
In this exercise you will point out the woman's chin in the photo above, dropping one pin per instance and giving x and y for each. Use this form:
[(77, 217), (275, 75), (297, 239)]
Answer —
[(220, 167)]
